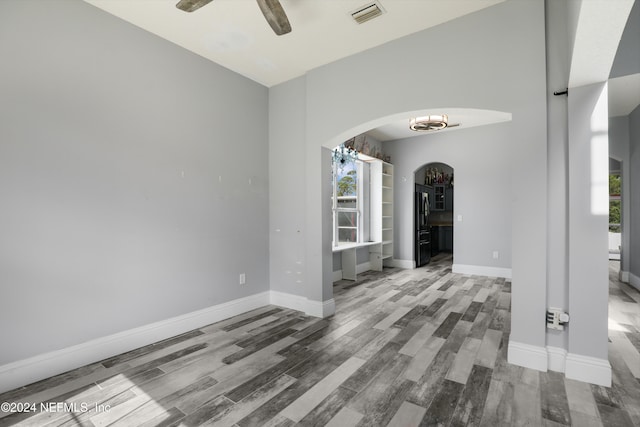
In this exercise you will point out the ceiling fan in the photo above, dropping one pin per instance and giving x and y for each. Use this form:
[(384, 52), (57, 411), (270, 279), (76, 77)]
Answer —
[(271, 9), (432, 122)]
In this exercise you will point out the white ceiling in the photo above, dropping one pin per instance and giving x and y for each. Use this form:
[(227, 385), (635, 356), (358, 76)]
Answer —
[(233, 33), (624, 95), (600, 27), (466, 117)]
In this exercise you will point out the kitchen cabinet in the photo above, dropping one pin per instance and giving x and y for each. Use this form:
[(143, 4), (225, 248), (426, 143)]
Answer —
[(446, 238), (439, 197), (435, 240), (442, 197), (441, 238), (448, 198)]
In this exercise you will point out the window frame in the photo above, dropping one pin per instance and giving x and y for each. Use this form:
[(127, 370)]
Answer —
[(617, 227), (359, 199)]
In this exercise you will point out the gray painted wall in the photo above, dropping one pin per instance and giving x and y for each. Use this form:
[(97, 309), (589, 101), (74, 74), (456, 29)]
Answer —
[(588, 220), (98, 124), (619, 150), (634, 190), (558, 64), (480, 159), (287, 232), (627, 62), (132, 189), (341, 103)]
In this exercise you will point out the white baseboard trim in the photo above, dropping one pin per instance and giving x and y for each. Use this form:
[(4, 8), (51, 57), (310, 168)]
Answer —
[(403, 263), (588, 369), (296, 302), (556, 359), (321, 309), (480, 270), (26, 371), (634, 281), (575, 366), (623, 276), (529, 356)]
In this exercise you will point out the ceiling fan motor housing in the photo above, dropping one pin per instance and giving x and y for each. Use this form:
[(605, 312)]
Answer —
[(428, 123)]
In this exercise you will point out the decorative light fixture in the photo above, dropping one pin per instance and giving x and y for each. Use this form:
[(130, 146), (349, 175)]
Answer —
[(344, 154), (426, 123)]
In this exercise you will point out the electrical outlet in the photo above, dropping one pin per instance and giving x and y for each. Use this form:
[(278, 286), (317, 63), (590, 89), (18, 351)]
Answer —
[(556, 318), (243, 278), (496, 254)]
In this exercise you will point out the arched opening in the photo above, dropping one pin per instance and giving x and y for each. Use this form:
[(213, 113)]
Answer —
[(484, 150), (433, 212)]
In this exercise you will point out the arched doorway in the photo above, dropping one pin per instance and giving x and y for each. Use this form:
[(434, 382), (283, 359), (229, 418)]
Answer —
[(433, 211), (475, 151)]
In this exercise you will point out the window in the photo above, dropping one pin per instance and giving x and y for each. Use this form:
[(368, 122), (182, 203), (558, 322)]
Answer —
[(347, 202), (614, 203)]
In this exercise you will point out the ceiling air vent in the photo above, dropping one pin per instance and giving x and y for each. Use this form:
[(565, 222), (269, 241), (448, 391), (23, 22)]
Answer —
[(367, 12)]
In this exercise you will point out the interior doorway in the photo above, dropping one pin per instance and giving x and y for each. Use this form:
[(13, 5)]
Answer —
[(615, 209), (433, 211)]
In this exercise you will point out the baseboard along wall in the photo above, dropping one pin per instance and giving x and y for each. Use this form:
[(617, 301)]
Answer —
[(403, 263), (26, 371), (574, 366), (481, 270), (22, 372)]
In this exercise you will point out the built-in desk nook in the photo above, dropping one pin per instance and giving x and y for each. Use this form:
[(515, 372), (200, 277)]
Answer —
[(378, 222), (350, 260), (362, 205)]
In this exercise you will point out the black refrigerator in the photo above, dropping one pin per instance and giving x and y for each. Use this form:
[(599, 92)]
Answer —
[(422, 232)]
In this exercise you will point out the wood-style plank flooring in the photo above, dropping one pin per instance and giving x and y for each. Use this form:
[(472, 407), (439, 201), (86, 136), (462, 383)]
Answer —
[(405, 348)]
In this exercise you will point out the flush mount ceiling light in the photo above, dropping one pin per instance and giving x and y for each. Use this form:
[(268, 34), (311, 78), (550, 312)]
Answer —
[(432, 122)]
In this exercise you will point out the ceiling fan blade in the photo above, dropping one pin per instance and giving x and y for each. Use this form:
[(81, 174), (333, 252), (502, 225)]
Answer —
[(191, 5), (452, 125), (275, 16)]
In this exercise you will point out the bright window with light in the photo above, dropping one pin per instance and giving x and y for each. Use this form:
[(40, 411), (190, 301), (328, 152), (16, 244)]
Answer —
[(347, 200), (614, 203)]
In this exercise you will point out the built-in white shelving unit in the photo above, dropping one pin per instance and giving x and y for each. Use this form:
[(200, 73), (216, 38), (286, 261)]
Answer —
[(381, 220), (380, 242)]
